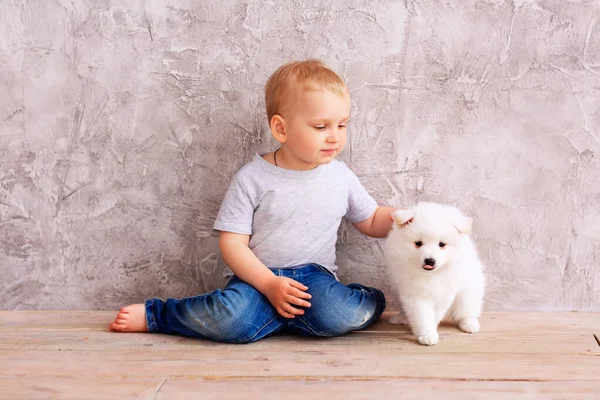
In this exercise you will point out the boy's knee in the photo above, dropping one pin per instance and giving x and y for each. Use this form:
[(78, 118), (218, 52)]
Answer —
[(350, 316), (339, 321), (360, 318)]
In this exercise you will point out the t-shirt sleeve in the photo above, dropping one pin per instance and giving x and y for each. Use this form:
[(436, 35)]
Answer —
[(237, 210), (360, 203)]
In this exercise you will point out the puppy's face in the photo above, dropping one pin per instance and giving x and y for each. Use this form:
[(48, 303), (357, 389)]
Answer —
[(428, 237)]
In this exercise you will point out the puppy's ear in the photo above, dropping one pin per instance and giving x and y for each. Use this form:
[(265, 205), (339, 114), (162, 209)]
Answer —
[(403, 217), (463, 224)]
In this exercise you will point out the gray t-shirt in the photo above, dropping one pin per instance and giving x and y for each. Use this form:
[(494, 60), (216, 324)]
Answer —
[(293, 216)]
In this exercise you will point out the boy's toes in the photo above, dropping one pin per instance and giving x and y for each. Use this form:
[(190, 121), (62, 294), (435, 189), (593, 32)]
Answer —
[(114, 326), (130, 319)]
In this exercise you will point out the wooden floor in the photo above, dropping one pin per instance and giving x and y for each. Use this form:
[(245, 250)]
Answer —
[(72, 355)]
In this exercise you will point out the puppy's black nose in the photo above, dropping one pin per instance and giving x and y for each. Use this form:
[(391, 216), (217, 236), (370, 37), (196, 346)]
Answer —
[(430, 261)]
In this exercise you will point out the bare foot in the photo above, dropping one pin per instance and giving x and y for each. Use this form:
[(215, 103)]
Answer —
[(130, 319)]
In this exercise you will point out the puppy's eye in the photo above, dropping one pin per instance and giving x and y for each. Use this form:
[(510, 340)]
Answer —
[(418, 243), (442, 245)]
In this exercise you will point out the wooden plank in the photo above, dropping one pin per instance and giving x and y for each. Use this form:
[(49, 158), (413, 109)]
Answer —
[(92, 389), (237, 363), (505, 322), (408, 390), (517, 323), (77, 389), (452, 341), (504, 333), (499, 322)]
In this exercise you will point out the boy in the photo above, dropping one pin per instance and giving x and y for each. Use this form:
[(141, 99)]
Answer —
[(278, 228)]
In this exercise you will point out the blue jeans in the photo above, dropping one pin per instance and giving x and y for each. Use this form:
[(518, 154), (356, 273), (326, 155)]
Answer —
[(241, 314)]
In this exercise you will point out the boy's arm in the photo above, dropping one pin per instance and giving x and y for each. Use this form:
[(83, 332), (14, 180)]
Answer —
[(282, 292), (379, 224)]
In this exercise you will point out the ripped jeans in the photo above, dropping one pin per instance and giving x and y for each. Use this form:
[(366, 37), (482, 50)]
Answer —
[(241, 314)]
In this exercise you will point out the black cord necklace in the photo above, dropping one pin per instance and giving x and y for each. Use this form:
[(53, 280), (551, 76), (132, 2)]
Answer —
[(275, 157)]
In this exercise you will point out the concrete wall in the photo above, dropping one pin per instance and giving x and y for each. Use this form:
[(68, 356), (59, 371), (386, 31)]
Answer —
[(122, 123)]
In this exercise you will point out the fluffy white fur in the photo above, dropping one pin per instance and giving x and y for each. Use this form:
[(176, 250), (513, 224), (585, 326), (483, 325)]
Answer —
[(452, 288)]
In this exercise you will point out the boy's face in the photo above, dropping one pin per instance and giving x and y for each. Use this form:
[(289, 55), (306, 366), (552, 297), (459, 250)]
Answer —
[(315, 128)]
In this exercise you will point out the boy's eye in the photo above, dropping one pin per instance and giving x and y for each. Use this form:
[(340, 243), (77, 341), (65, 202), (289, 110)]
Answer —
[(342, 126), (418, 243), (320, 127), (442, 244)]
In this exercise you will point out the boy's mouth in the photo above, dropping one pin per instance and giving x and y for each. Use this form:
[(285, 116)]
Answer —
[(329, 151)]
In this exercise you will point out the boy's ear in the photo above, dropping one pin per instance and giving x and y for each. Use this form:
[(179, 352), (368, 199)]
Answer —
[(402, 217), (278, 128)]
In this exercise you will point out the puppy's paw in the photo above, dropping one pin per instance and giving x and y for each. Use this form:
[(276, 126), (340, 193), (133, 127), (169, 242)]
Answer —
[(399, 319), (469, 325), (429, 340)]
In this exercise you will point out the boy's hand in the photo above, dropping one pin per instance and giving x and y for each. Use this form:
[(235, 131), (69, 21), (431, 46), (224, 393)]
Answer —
[(285, 293)]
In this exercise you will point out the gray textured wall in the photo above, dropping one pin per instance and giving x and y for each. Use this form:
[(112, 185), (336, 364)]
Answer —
[(122, 123)]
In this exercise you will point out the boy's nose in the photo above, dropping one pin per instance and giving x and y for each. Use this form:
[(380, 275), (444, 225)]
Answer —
[(334, 135)]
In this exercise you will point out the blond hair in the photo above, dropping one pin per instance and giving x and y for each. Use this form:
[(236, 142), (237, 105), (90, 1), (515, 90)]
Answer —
[(300, 75)]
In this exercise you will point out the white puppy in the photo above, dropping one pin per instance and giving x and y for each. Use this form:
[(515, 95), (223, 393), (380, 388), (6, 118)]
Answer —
[(433, 265)]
